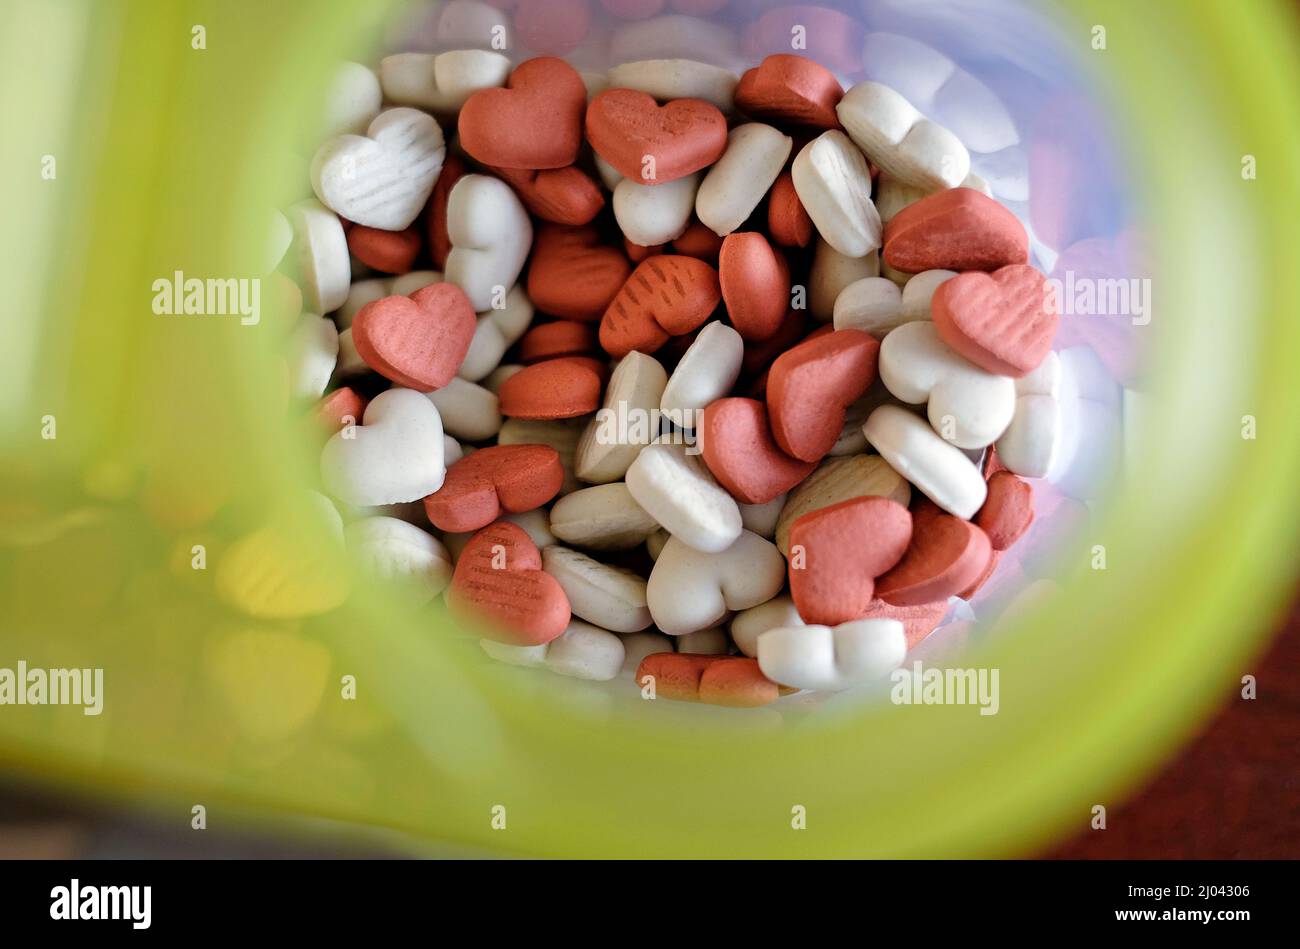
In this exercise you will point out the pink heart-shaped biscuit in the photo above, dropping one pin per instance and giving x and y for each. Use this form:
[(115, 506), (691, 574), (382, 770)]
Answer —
[(837, 552), (499, 583), (653, 144), (417, 341), (739, 450), (533, 123), (1003, 322), (1008, 509)]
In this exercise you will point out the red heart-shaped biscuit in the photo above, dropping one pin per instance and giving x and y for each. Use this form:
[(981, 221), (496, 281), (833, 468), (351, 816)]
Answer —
[(787, 219), (574, 275), (560, 338), (665, 296), (561, 195), (837, 552), (1003, 322), (786, 89), (810, 386), (1008, 509), (341, 407), (653, 144), (386, 251), (557, 388), (417, 341), (734, 681), (534, 122), (486, 483), (737, 446), (957, 229), (638, 252), (918, 621), (946, 556), (755, 281), (453, 169), (499, 583)]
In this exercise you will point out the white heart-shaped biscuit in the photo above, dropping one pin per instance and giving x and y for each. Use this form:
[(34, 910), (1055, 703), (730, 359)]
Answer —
[(748, 625), (690, 589), (654, 214), (382, 179), (622, 426), (829, 659), (391, 550), (324, 264), (603, 517), (936, 468), (441, 82), (968, 406), (831, 272), (467, 409), (1034, 440), (705, 373), (491, 235), (496, 331), (876, 305), (834, 184), (611, 597), (582, 651), (676, 488), (394, 456), (901, 141)]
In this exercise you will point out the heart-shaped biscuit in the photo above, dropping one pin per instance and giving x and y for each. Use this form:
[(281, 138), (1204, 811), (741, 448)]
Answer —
[(381, 179), (558, 338), (946, 556), (562, 195), (665, 296), (918, 621), (1003, 322), (533, 123), (733, 681), (653, 144), (395, 456), (690, 589), (499, 583), (386, 251), (958, 229), (738, 447), (790, 90), (837, 553), (967, 406), (810, 386), (1008, 511), (417, 341), (501, 479), (573, 274), (490, 234)]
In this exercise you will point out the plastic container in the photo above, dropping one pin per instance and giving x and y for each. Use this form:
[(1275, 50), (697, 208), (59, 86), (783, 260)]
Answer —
[(169, 142)]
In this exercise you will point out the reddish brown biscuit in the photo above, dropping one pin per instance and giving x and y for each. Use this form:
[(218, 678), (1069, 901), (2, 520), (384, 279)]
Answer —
[(755, 281), (665, 296), (561, 338), (699, 241), (1008, 510), (653, 144), (556, 388), (386, 251), (958, 229), (637, 253), (417, 341), (491, 481), (534, 122), (946, 556), (734, 681), (810, 386), (837, 552), (338, 408), (560, 195), (786, 89), (787, 220), (573, 274), (499, 585), (738, 448), (918, 621), (453, 169)]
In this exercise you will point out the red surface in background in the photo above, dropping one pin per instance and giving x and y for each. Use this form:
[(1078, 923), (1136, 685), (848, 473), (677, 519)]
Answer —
[(1234, 793)]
